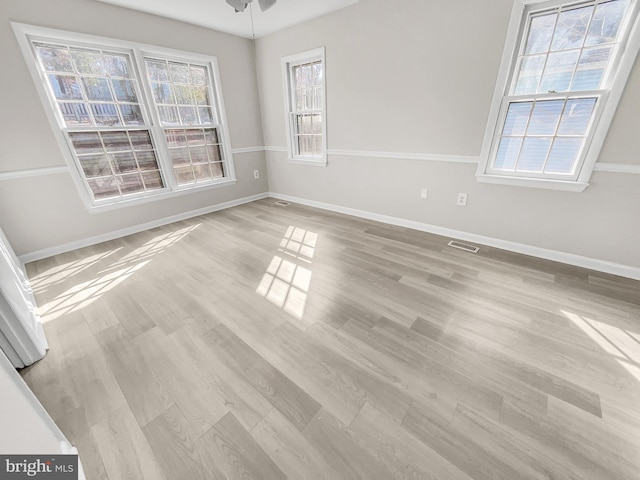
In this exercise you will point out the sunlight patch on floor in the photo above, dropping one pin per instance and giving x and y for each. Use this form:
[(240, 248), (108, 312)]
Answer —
[(285, 282), (87, 292), (620, 344)]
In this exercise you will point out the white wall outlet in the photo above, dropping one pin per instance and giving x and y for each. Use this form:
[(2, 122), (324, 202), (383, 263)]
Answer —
[(424, 193), (256, 174), (462, 199)]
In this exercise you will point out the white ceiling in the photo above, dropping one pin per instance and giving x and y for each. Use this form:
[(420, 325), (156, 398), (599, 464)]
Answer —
[(218, 15)]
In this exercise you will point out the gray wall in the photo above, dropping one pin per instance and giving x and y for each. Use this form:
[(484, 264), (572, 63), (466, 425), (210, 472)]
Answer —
[(42, 212), (418, 77)]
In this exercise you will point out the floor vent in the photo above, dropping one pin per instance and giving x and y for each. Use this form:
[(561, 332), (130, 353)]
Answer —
[(282, 203), (463, 246)]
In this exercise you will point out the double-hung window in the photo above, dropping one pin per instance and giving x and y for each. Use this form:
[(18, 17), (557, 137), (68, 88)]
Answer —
[(304, 79), (135, 122), (564, 82)]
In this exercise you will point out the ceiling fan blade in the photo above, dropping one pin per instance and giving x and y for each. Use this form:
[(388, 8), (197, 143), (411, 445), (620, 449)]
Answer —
[(239, 5), (266, 4)]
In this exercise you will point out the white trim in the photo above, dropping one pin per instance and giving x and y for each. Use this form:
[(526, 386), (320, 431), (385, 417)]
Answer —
[(247, 150), (275, 149), (431, 157), (105, 237), (34, 172), (553, 255), (548, 184), (633, 168)]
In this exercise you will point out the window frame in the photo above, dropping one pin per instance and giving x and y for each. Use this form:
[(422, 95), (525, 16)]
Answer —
[(27, 34), (608, 98), (288, 64)]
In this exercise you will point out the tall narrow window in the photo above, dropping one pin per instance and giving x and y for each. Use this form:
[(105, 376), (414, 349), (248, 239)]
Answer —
[(184, 98), (304, 77), (96, 95), (135, 122), (566, 65)]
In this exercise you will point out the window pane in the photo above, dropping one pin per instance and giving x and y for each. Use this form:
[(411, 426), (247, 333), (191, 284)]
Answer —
[(179, 156), (55, 59), (147, 161), (211, 135), (140, 140), (65, 87), (88, 61), (75, 113), (131, 183), (606, 22), (198, 154), (545, 117), (86, 142), (533, 154), (117, 65), (199, 75), (316, 121), (95, 165), (179, 72), (213, 152), (106, 187), (176, 138), (576, 116), (97, 89), (517, 118), (105, 114), (206, 116), (571, 28), (188, 115), (157, 70), (124, 162), (183, 94), (131, 114), (201, 95), (195, 137), (184, 175), (591, 68), (529, 74), (168, 115), (116, 141), (558, 71), (152, 180), (218, 170), (162, 93), (563, 155), (202, 172), (540, 32), (508, 153), (125, 91)]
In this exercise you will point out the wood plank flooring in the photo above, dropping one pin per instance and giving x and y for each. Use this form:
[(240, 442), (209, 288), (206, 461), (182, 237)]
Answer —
[(275, 342)]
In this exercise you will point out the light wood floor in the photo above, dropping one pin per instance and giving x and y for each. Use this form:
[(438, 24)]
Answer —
[(288, 342)]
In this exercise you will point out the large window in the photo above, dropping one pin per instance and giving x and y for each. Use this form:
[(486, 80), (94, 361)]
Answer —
[(554, 112), (304, 79), (136, 122)]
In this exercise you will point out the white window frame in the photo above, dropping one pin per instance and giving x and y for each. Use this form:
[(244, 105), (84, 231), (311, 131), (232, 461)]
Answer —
[(609, 97), (26, 34), (288, 63)]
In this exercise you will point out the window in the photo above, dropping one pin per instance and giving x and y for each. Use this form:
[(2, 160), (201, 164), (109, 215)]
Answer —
[(305, 106), (135, 122), (563, 85)]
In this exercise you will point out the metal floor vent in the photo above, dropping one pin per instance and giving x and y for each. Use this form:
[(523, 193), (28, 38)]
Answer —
[(282, 203), (463, 246)]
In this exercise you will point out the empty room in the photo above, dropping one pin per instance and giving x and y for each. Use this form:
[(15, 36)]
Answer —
[(304, 239)]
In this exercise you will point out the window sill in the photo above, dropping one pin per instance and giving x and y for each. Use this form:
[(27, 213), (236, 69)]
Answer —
[(320, 162), (563, 185), (159, 195)]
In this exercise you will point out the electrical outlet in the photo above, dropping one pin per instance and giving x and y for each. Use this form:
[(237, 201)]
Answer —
[(462, 199), (256, 174), (424, 192)]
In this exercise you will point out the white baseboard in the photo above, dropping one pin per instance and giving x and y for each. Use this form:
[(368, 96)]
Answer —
[(105, 237), (556, 256)]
